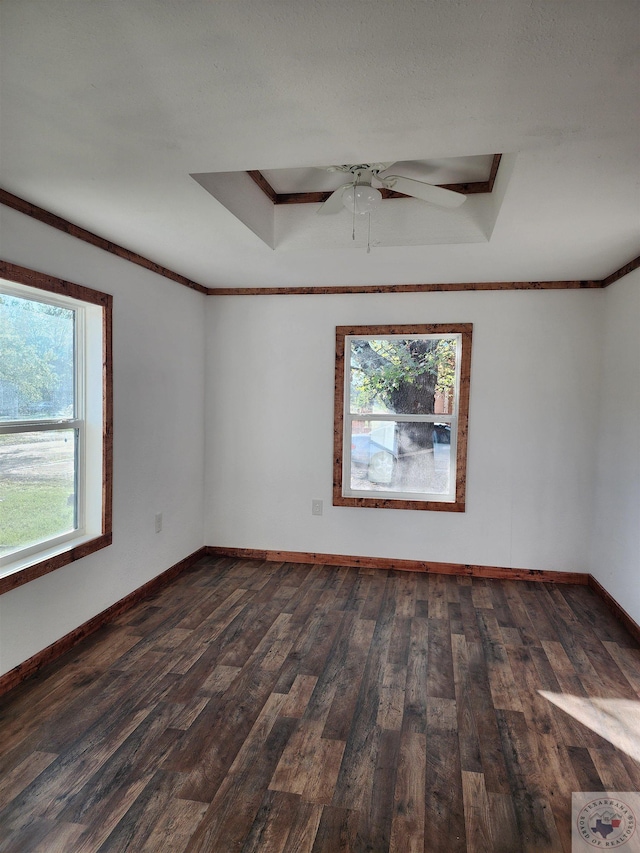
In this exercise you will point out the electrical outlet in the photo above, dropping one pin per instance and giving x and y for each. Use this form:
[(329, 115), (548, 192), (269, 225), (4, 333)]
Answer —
[(158, 522), (316, 507)]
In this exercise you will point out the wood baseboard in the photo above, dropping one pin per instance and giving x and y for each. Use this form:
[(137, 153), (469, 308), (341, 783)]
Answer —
[(618, 611), (29, 667), (475, 571), (55, 650)]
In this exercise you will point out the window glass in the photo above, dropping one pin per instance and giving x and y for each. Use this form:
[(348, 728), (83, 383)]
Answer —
[(407, 456), (37, 368), (38, 474), (402, 375)]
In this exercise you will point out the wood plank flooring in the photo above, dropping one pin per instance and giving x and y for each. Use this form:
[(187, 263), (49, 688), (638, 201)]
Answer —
[(283, 708)]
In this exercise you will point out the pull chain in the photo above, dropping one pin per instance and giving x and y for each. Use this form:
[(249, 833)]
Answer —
[(353, 232), (355, 187), (369, 234)]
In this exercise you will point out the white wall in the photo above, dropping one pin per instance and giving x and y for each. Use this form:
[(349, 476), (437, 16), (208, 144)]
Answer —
[(158, 337), (532, 429), (554, 453), (615, 545)]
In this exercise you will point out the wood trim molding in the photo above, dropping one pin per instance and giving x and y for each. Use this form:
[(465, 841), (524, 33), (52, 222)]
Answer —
[(406, 288), (468, 188), (618, 611), (494, 171), (107, 419), (39, 213), (466, 570), (43, 567), (19, 673), (67, 227), (259, 179), (24, 275), (618, 274), (31, 666)]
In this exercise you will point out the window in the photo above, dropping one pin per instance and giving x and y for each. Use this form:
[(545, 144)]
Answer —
[(402, 397), (55, 423)]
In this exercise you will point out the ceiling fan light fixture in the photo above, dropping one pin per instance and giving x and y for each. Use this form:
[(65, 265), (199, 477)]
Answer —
[(361, 198)]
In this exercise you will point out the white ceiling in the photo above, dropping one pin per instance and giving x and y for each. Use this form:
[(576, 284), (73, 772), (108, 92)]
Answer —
[(108, 107)]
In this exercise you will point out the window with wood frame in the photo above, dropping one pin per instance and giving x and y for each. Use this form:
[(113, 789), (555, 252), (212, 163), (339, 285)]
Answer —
[(401, 415), (55, 423)]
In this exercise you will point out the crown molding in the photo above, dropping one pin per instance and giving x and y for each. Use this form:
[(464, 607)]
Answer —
[(42, 215), (406, 288), (618, 274)]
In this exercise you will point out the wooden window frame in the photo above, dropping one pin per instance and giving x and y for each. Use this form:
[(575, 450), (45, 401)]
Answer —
[(465, 330), (51, 559)]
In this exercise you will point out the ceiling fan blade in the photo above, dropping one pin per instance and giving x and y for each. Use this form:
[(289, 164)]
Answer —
[(334, 203), (425, 192), (419, 170)]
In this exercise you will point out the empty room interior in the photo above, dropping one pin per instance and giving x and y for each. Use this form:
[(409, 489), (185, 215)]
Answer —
[(319, 426)]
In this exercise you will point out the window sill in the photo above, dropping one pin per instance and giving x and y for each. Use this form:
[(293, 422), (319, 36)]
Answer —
[(395, 503), (36, 565)]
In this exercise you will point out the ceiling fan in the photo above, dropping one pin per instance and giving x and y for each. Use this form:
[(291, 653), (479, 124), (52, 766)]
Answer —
[(361, 195)]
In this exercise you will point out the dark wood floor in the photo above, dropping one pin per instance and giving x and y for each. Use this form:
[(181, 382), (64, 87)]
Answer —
[(274, 707)]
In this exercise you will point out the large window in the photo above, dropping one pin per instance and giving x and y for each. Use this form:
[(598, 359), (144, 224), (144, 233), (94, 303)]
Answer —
[(55, 430), (402, 395)]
